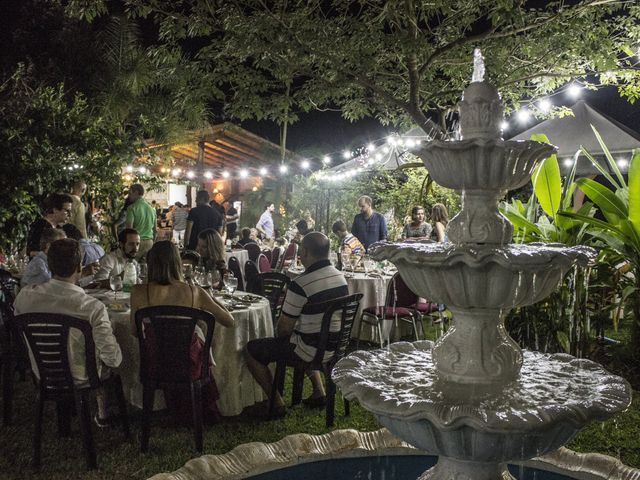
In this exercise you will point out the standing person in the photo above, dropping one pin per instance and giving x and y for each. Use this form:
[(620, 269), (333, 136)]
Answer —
[(300, 322), (418, 228), (265, 224), (37, 270), (440, 219), (78, 217), (57, 208), (211, 249), (231, 216), (179, 219), (201, 217), (368, 226), (141, 217)]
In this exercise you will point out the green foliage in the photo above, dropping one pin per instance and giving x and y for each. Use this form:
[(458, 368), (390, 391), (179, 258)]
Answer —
[(47, 141), (391, 60), (546, 181)]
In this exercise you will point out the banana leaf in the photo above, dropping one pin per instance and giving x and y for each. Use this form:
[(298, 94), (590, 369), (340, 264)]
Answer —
[(546, 181), (612, 206), (634, 191)]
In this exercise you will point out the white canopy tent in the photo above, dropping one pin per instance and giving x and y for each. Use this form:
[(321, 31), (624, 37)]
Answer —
[(571, 132)]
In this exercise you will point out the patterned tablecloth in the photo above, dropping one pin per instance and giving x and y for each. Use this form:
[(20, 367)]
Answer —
[(237, 387)]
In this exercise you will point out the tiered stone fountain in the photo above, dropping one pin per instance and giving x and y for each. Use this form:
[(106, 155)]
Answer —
[(475, 398)]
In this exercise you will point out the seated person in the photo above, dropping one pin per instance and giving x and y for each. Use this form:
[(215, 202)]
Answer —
[(349, 244), (37, 270), (211, 249), (299, 324), (418, 229), (245, 237), (166, 286), (62, 295), (92, 252), (113, 263), (302, 229), (57, 208)]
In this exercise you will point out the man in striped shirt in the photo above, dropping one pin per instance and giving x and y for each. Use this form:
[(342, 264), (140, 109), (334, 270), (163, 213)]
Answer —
[(299, 324)]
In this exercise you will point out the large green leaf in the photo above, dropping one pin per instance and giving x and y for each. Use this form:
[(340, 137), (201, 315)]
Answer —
[(612, 163), (546, 181), (634, 191), (611, 205), (614, 231)]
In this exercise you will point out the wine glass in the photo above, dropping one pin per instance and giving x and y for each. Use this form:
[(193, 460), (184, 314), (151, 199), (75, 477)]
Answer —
[(231, 284), (142, 272), (344, 258), (333, 258), (355, 260), (115, 282)]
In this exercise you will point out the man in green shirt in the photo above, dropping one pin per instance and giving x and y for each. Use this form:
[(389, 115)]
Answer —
[(142, 217)]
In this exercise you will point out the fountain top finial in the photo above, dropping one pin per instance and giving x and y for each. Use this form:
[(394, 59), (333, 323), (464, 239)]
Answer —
[(478, 66)]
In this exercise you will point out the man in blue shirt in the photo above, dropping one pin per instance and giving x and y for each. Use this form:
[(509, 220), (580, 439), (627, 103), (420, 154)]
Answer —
[(368, 226), (37, 270)]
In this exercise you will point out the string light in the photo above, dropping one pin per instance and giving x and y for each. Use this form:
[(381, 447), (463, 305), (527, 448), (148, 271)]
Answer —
[(244, 173), (208, 175), (142, 170), (567, 162), (176, 172), (574, 90), (283, 169), (371, 147), (346, 154), (190, 174), (225, 174), (305, 164), (326, 160), (263, 171), (129, 168), (544, 105), (622, 162), (504, 125), (523, 115)]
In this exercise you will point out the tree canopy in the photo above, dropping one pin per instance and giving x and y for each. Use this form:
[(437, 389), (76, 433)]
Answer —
[(402, 61)]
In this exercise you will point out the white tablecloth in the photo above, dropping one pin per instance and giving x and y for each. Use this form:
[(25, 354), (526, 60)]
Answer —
[(241, 255), (237, 387)]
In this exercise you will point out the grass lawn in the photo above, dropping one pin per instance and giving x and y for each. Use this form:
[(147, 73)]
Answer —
[(171, 447)]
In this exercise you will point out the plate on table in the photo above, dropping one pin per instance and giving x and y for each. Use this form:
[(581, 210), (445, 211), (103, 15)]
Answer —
[(248, 298), (118, 307)]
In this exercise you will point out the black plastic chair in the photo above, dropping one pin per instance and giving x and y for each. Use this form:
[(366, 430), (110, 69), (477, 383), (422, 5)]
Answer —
[(275, 257), (173, 328), (47, 336), (234, 267), (12, 352), (252, 278), (289, 255), (336, 342), (253, 249), (273, 286)]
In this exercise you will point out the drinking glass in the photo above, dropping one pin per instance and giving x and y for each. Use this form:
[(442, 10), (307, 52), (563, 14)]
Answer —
[(187, 270), (231, 284), (355, 259), (142, 272), (345, 261), (333, 258), (115, 282), (199, 275)]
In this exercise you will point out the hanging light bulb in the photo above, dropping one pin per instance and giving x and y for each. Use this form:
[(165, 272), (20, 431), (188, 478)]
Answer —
[(410, 143), (544, 105), (142, 170), (326, 160), (385, 149), (244, 173), (225, 174), (371, 147), (391, 140), (283, 169), (129, 168), (346, 154), (523, 115), (574, 90), (504, 125), (263, 171), (208, 175), (176, 172), (305, 164), (567, 162), (190, 174)]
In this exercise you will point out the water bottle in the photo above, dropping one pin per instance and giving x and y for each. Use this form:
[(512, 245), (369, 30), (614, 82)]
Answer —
[(130, 277)]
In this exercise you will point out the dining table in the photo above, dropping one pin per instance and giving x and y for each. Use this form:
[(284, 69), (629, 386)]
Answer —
[(235, 383)]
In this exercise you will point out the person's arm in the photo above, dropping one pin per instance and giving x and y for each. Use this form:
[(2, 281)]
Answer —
[(260, 225), (440, 231), (187, 233), (383, 228), (205, 302), (405, 232), (106, 345), (292, 306), (285, 325), (107, 265)]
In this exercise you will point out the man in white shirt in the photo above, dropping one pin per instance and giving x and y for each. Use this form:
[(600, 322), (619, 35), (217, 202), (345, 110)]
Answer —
[(113, 263), (265, 224), (37, 270), (62, 295)]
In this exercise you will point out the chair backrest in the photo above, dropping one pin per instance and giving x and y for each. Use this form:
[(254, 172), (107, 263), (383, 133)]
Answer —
[(289, 254), (337, 341), (399, 294), (273, 287), (267, 254), (165, 335), (190, 256), (275, 256), (234, 266), (253, 249), (251, 275), (263, 263), (47, 336)]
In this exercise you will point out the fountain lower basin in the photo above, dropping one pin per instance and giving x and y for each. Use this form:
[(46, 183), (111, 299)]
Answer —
[(476, 429)]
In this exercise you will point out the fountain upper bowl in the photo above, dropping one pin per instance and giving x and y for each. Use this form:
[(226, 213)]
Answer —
[(482, 276), (483, 164)]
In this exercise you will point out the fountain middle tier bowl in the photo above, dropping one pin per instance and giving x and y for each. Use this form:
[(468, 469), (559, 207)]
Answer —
[(482, 276), (554, 396), (483, 164)]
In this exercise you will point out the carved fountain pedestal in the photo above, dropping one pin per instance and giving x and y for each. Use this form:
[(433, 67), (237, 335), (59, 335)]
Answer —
[(475, 398)]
